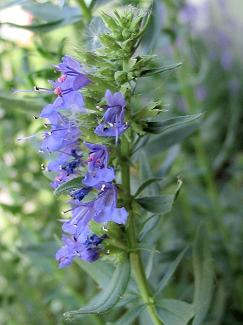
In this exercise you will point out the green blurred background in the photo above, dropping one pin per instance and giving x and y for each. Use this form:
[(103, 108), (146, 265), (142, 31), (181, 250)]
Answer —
[(206, 37)]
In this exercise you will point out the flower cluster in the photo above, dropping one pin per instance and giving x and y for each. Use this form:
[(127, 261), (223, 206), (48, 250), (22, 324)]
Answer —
[(63, 142)]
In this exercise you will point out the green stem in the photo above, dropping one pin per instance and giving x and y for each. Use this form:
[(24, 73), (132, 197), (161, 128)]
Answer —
[(85, 9), (134, 255)]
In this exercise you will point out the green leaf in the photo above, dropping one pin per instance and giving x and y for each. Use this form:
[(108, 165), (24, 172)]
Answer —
[(38, 28), (171, 156), (129, 317), (109, 42), (218, 309), (53, 17), (153, 29), (203, 276), (109, 297), (73, 183), (157, 204), (174, 312), (49, 12), (171, 125), (160, 204), (170, 136), (151, 72), (147, 183), (151, 110), (99, 271), (170, 271), (149, 224), (110, 22), (145, 173)]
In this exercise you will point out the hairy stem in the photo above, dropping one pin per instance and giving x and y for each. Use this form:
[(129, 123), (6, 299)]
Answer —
[(134, 255)]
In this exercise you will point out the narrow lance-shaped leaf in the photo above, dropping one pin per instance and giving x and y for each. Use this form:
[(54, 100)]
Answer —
[(161, 204), (38, 28), (171, 124), (170, 272), (152, 32), (203, 275), (149, 224), (73, 183), (218, 309), (109, 297), (169, 135), (50, 12), (153, 71), (145, 173), (129, 317), (52, 17), (146, 184), (174, 312), (99, 271)]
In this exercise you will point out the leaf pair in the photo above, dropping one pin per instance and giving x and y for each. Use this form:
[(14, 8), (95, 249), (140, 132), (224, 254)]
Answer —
[(160, 204), (109, 296)]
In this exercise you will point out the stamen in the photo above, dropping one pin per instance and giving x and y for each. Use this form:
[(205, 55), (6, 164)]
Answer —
[(66, 211), (58, 91), (27, 138), (43, 167), (62, 78), (36, 89), (16, 91)]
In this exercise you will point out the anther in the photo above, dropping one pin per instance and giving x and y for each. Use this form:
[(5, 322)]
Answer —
[(43, 167)]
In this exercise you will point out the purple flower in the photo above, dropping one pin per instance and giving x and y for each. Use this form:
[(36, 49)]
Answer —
[(88, 249), (62, 134), (106, 206), (102, 209), (82, 213), (68, 96), (68, 159), (98, 156), (66, 87), (72, 68), (114, 117), (98, 170), (50, 112), (61, 178), (98, 176)]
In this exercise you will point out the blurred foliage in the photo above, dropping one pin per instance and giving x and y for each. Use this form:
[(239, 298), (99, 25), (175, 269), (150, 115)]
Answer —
[(32, 289)]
